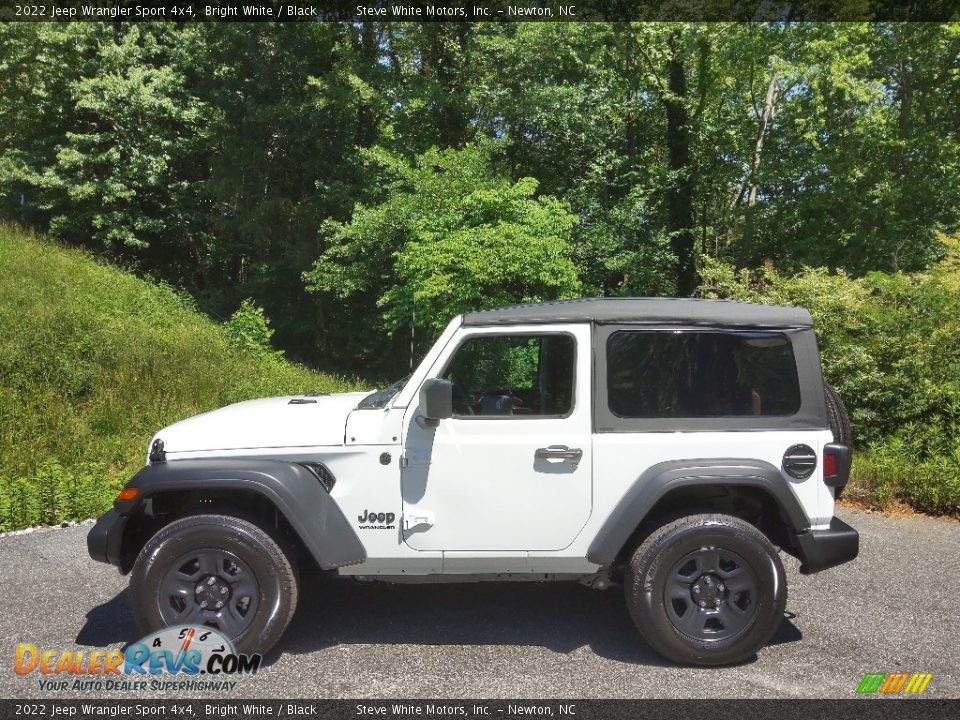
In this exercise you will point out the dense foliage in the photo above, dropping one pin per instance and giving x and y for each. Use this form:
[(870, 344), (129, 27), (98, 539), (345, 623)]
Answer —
[(228, 159), (92, 362)]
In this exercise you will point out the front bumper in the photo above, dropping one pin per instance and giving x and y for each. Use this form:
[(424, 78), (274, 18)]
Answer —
[(822, 549), (105, 539)]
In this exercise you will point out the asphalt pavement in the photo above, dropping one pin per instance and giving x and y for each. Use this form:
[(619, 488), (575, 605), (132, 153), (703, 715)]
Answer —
[(894, 609)]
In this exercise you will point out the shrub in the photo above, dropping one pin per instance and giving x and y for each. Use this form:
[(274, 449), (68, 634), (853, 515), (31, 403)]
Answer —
[(249, 329)]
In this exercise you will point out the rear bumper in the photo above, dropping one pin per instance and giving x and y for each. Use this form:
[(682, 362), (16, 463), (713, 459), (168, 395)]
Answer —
[(105, 539), (822, 549)]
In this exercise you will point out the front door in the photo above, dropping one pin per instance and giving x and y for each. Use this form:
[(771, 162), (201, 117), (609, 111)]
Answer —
[(511, 470)]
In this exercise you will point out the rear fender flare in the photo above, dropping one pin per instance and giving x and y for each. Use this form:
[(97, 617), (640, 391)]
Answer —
[(660, 479)]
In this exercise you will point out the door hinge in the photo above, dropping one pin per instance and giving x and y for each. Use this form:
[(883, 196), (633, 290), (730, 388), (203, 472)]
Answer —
[(414, 457)]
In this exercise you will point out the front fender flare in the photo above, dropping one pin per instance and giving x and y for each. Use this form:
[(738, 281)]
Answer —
[(295, 492), (659, 479)]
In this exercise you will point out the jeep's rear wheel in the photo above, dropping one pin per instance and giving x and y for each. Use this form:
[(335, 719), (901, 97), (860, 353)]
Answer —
[(706, 590), (217, 571)]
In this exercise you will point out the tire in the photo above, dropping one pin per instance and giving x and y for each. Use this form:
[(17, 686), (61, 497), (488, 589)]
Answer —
[(839, 418), (839, 425), (172, 574), (720, 560)]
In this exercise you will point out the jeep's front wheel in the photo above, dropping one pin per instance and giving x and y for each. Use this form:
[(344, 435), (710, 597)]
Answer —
[(217, 571), (706, 590)]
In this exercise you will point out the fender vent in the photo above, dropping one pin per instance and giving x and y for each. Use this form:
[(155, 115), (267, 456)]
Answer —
[(799, 461), (322, 474)]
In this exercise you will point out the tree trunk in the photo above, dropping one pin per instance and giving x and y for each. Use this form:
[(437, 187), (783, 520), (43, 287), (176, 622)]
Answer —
[(769, 108), (366, 122), (680, 210), (445, 50)]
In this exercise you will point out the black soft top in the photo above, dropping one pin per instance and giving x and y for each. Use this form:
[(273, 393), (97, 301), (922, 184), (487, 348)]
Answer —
[(679, 311)]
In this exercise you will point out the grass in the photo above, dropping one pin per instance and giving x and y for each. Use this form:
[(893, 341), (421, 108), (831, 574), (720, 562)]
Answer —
[(93, 361), (889, 474)]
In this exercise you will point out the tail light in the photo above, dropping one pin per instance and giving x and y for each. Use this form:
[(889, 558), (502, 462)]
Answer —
[(829, 465), (836, 465)]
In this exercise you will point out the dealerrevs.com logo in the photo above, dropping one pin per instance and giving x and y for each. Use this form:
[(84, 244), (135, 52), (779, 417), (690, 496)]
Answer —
[(182, 658)]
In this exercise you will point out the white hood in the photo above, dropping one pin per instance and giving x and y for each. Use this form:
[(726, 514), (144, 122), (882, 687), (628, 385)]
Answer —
[(267, 423)]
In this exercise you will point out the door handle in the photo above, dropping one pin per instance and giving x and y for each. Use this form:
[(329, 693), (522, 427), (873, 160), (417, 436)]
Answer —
[(558, 452)]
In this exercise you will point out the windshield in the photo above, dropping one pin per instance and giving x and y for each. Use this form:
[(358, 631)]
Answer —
[(379, 398)]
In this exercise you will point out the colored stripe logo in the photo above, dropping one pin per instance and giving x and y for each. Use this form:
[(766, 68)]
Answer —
[(894, 683)]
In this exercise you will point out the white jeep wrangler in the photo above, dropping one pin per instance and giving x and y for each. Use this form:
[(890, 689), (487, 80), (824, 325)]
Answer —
[(670, 446)]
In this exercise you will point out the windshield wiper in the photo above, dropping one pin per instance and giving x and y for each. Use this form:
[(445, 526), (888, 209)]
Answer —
[(380, 398)]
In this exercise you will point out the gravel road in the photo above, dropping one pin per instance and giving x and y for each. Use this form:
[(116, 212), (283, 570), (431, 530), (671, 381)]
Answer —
[(893, 609)]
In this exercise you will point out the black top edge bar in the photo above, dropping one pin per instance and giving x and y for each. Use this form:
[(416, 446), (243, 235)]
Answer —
[(479, 10), (655, 310), (217, 707)]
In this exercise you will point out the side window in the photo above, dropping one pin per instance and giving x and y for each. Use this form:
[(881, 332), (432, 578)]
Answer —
[(518, 375), (690, 374)]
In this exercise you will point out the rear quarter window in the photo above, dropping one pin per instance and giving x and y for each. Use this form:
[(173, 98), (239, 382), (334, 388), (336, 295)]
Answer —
[(701, 374)]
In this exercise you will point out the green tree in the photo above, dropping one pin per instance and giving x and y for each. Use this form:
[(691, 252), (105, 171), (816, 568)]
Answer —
[(39, 62), (290, 108), (822, 155), (137, 121), (448, 235), (576, 110)]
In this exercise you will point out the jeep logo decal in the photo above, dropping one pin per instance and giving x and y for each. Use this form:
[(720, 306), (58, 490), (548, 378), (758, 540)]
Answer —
[(371, 520)]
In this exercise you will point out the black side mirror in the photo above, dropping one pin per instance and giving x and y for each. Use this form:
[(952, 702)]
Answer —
[(436, 399)]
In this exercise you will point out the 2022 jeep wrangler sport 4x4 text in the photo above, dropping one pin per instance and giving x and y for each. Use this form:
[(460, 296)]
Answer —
[(670, 446)]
